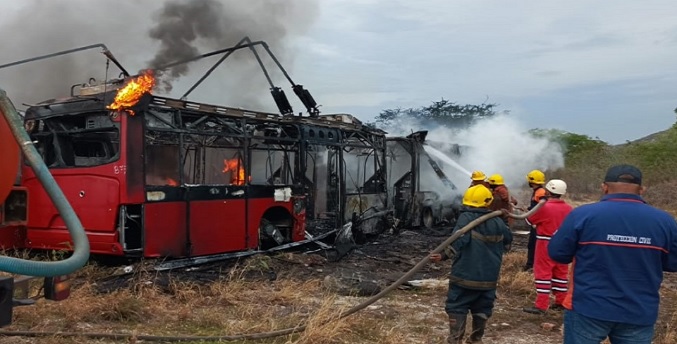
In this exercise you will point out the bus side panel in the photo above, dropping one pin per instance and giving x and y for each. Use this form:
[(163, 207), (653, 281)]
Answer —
[(94, 198), (13, 219), (12, 237), (165, 229), (60, 239), (217, 226)]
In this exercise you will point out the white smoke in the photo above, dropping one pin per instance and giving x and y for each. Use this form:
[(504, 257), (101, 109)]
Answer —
[(500, 144)]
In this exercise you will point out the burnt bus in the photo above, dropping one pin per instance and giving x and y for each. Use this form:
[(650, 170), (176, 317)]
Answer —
[(173, 178), (421, 194)]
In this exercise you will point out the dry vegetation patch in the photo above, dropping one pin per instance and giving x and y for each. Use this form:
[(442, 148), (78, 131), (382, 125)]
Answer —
[(242, 298)]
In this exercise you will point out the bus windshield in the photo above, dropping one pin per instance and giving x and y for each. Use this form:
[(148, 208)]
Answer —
[(83, 140)]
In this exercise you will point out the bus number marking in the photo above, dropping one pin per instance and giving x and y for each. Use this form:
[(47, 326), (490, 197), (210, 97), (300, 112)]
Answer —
[(120, 169)]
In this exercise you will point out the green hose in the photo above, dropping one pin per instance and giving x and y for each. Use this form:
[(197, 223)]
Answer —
[(80, 241)]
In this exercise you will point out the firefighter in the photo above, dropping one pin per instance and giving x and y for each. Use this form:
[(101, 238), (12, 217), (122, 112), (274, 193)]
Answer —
[(502, 199), (476, 262), (548, 274), (478, 178), (536, 179)]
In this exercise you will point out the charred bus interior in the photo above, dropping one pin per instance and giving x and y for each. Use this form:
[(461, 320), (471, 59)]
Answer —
[(76, 140), (422, 195)]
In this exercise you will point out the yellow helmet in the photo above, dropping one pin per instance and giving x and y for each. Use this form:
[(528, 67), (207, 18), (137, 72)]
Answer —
[(495, 179), (477, 196), (536, 177), (478, 175)]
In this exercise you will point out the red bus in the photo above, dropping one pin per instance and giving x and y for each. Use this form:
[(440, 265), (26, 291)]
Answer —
[(163, 177), (183, 179)]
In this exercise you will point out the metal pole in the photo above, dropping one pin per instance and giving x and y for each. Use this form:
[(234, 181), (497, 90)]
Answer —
[(106, 52), (206, 75)]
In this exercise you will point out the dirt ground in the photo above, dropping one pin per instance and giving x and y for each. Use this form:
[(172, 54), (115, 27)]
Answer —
[(363, 272), (369, 268)]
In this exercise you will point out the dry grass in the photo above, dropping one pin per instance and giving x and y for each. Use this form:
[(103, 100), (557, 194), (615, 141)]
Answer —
[(225, 307), (236, 304), (513, 280)]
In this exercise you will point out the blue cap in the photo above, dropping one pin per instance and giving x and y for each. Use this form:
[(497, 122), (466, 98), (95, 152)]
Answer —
[(623, 174)]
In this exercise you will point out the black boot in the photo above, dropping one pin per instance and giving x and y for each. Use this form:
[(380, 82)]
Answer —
[(479, 323), (456, 328)]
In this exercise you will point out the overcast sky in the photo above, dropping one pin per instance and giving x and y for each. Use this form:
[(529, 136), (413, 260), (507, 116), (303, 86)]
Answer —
[(602, 68)]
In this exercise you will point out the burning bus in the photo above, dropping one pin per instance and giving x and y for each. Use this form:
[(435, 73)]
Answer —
[(152, 176)]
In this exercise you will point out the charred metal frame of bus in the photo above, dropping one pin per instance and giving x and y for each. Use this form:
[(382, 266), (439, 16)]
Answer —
[(338, 162), (414, 206), (334, 160), (331, 140), (343, 160), (331, 159)]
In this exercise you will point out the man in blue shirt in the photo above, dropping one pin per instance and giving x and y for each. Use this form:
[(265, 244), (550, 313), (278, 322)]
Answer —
[(619, 247)]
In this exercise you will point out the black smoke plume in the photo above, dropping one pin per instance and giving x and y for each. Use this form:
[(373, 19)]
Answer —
[(142, 34)]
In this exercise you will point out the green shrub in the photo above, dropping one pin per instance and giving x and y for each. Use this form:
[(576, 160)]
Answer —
[(587, 159)]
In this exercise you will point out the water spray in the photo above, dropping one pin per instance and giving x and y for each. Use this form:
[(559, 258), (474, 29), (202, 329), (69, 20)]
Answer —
[(447, 160)]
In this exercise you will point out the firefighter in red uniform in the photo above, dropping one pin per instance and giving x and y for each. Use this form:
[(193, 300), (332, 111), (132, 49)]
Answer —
[(536, 179), (548, 274), (502, 197)]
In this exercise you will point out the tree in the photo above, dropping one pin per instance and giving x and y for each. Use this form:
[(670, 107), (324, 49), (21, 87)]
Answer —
[(443, 112)]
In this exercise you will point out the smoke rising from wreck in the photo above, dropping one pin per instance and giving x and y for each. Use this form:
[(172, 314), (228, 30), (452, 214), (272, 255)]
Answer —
[(500, 144), (186, 28), (178, 26), (146, 34)]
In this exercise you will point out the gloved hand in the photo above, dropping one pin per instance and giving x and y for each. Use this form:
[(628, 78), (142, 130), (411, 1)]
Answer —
[(435, 257)]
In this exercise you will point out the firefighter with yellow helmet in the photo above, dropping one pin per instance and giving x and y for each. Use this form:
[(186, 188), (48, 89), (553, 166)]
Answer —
[(477, 257), (536, 180), (478, 178), (502, 197)]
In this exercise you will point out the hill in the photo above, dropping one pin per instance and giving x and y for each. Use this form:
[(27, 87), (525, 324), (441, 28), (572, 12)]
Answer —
[(587, 159)]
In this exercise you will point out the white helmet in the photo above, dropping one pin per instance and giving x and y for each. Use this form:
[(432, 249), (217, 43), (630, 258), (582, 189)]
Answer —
[(556, 186)]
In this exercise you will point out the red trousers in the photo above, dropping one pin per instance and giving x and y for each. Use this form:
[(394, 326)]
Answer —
[(548, 275)]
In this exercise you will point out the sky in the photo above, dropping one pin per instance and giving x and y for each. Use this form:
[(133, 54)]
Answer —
[(599, 68)]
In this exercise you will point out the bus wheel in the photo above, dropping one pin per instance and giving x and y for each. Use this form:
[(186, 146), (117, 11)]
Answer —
[(275, 228), (427, 218)]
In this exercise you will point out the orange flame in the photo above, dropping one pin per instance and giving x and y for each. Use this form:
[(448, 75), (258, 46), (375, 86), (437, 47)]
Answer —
[(235, 166), (132, 92), (172, 182)]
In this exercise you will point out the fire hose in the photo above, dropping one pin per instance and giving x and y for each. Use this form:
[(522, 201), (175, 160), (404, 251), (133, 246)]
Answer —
[(80, 254), (287, 331)]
